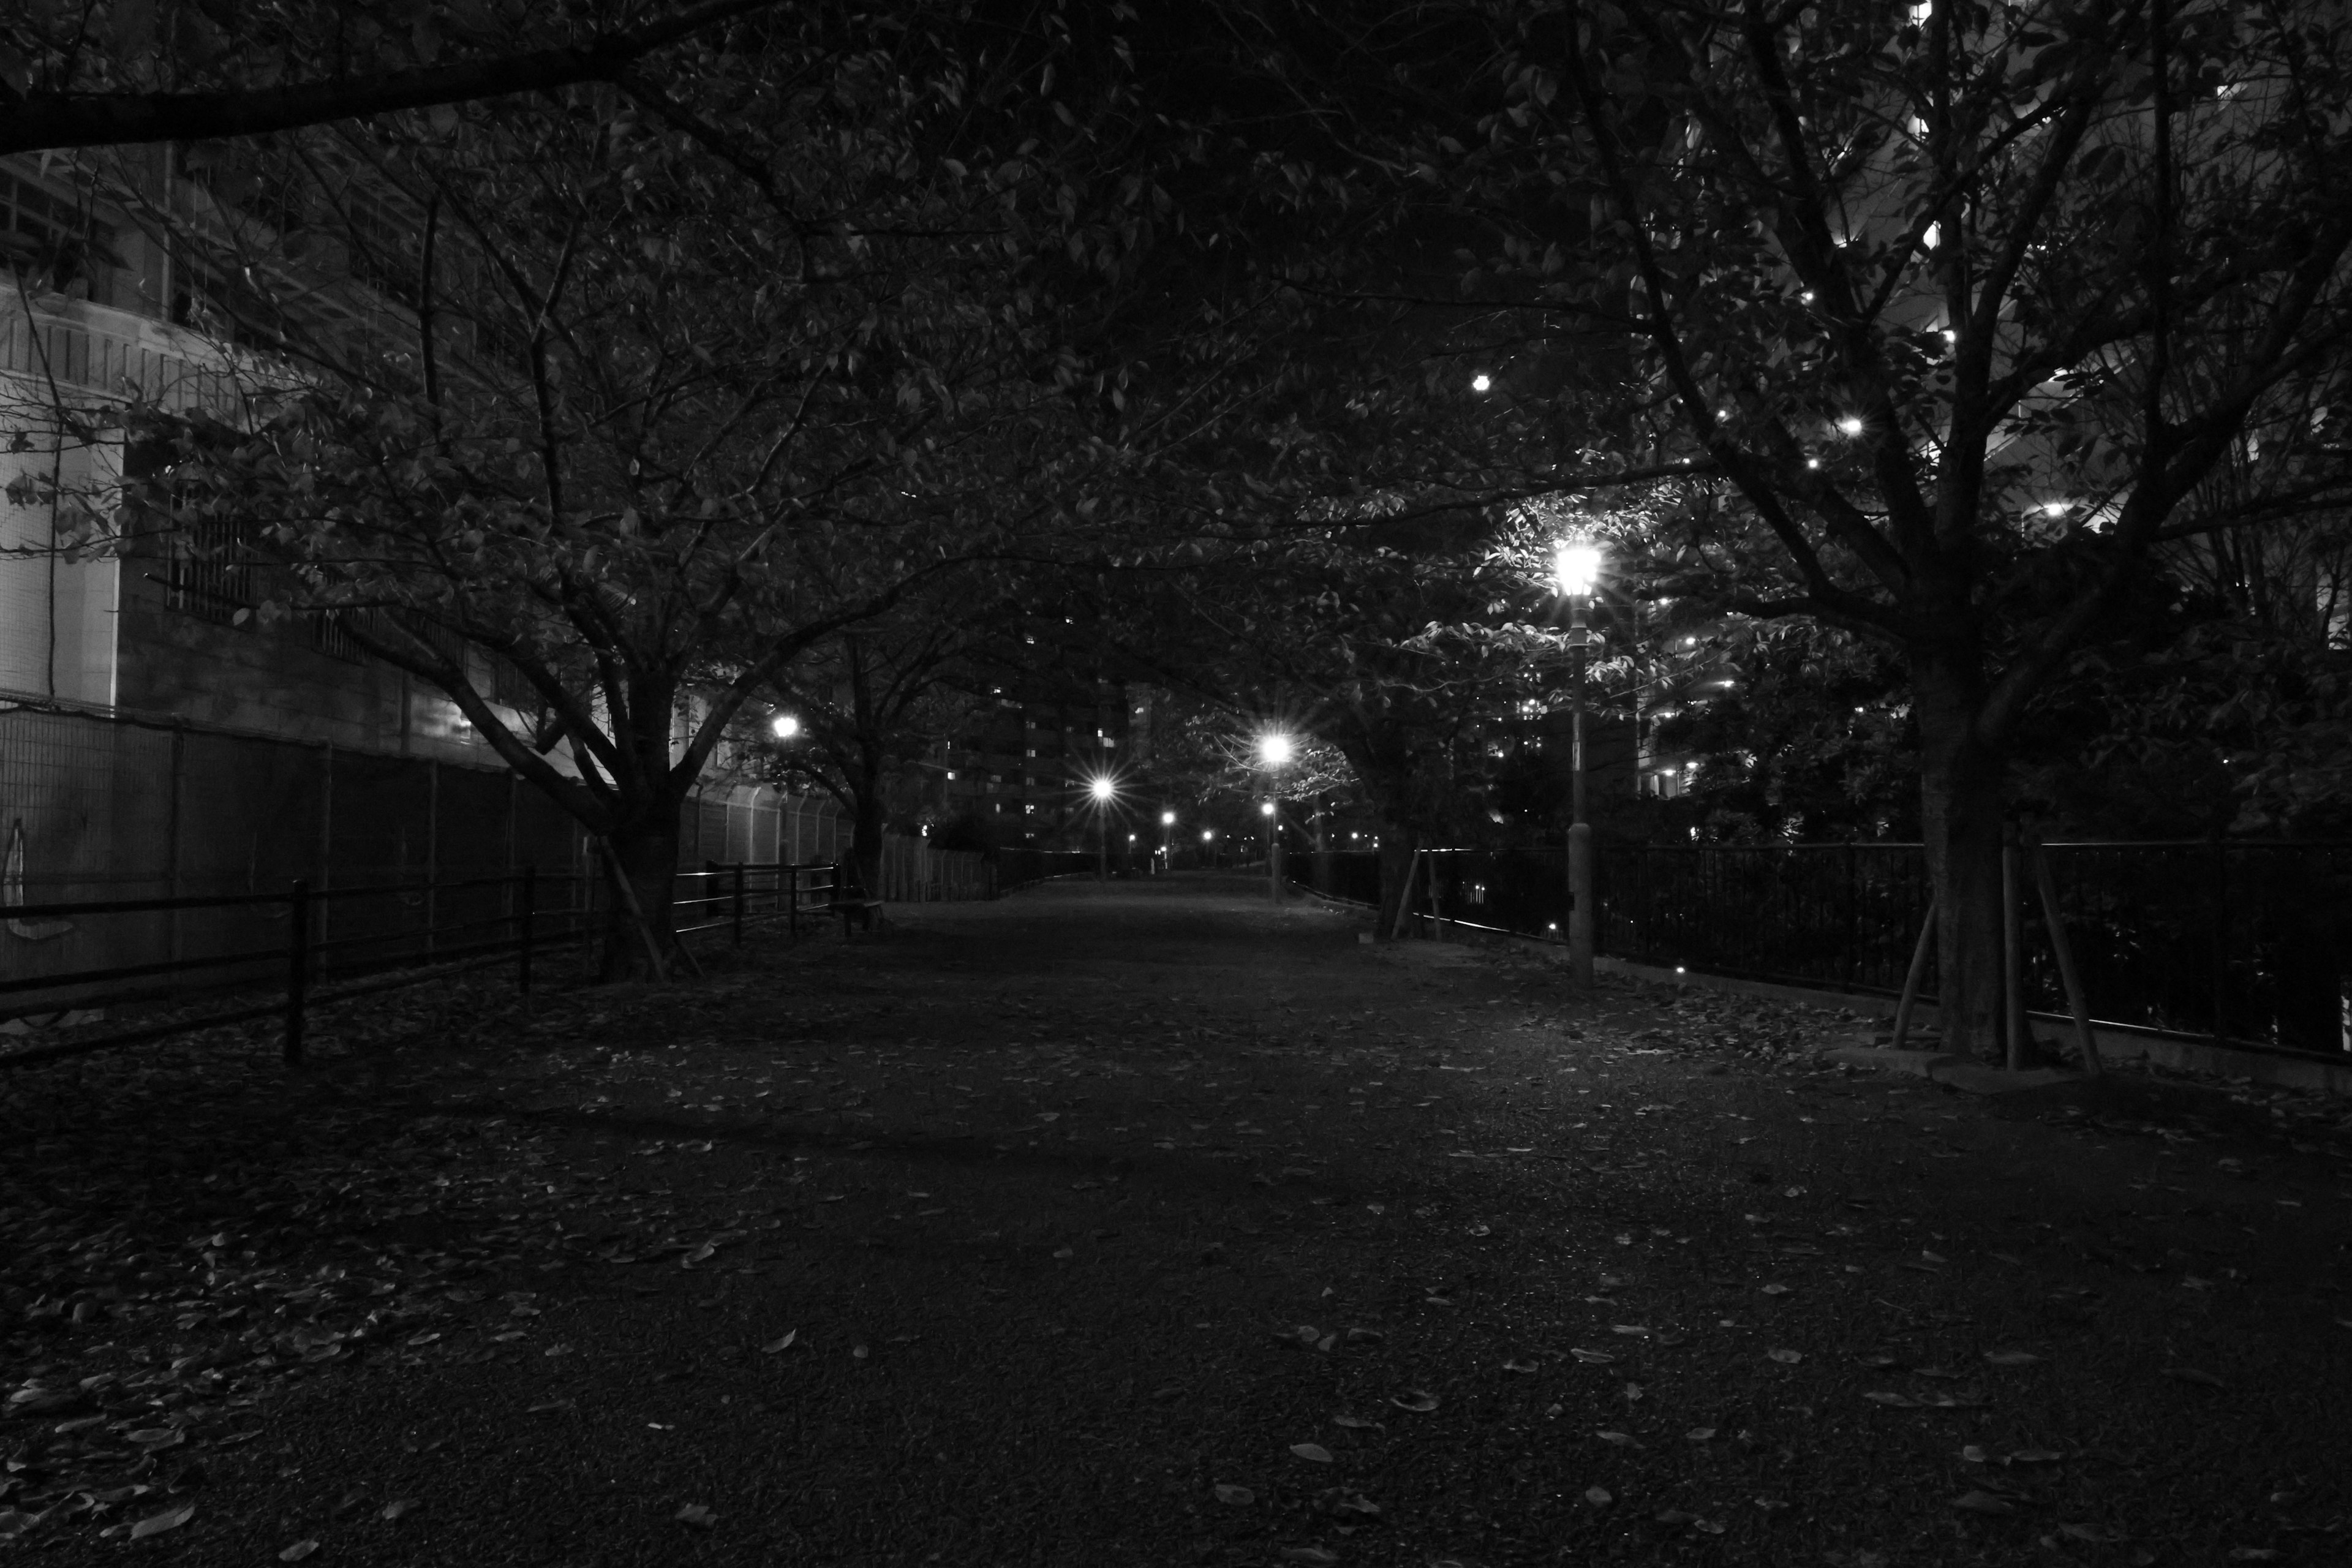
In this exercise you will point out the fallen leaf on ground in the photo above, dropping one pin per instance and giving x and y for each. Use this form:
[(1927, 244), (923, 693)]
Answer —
[(1983, 1503), (2011, 1358), (1308, 1554), (2096, 1534), (1314, 1452), (1522, 1366), (157, 1523), (1699, 1434), (1893, 1401), (696, 1514), (1786, 1358), (298, 1551), (1598, 1497), (1776, 1289), (1419, 1401), (397, 1506), (1592, 1357), (1623, 1439), (1355, 1423), (1235, 1495), (773, 1346)]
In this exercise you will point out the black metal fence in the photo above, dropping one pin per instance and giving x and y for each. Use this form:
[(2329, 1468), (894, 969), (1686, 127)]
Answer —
[(2239, 940), (377, 942), (286, 946)]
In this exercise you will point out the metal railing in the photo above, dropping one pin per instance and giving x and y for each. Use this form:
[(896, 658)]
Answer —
[(401, 952), (389, 935), (2246, 942)]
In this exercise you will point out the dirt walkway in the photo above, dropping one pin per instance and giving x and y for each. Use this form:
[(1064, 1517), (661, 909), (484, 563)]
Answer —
[(1149, 1225)]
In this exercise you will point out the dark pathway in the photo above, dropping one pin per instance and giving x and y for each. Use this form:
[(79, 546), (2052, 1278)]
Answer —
[(1148, 1224)]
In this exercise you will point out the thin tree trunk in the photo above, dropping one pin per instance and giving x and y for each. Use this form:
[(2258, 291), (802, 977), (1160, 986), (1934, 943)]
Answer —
[(866, 832), (1961, 818)]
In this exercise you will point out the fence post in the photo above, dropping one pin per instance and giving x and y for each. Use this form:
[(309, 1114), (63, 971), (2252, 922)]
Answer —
[(2220, 955), (1853, 966), (738, 903), (298, 966), (2016, 1025), (528, 896), (793, 903)]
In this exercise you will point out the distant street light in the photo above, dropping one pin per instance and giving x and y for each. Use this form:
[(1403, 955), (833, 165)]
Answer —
[(1167, 848), (1102, 789), (1481, 381), (1275, 750), (1576, 563), (784, 726)]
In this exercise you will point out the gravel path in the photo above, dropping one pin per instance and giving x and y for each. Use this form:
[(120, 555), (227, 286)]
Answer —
[(1148, 1223)]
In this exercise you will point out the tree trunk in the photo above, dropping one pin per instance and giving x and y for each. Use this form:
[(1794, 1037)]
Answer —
[(1397, 845), (866, 832), (647, 851), (1960, 819)]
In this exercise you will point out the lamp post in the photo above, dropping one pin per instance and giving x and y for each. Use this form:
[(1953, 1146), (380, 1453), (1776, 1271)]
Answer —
[(1577, 564), (1275, 751), (1166, 842), (1102, 790)]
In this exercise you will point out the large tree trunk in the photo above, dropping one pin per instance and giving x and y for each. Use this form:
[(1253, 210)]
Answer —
[(645, 848), (866, 830), (1398, 842), (1960, 819)]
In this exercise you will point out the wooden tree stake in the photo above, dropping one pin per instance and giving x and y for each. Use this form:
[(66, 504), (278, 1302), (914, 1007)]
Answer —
[(2076, 1002), (1913, 978)]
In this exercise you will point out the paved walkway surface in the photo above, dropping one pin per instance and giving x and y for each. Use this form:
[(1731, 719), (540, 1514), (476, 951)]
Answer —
[(1148, 1224)]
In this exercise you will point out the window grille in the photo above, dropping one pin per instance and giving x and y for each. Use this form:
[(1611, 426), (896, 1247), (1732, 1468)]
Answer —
[(209, 571)]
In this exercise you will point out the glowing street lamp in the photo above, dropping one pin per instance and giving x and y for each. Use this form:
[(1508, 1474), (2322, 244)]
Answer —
[(1577, 564), (1275, 750), (1103, 790), (1167, 849), (784, 726)]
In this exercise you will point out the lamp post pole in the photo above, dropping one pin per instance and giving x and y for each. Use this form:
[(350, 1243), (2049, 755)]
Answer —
[(1102, 789), (1579, 564), (1274, 750), (1273, 844)]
